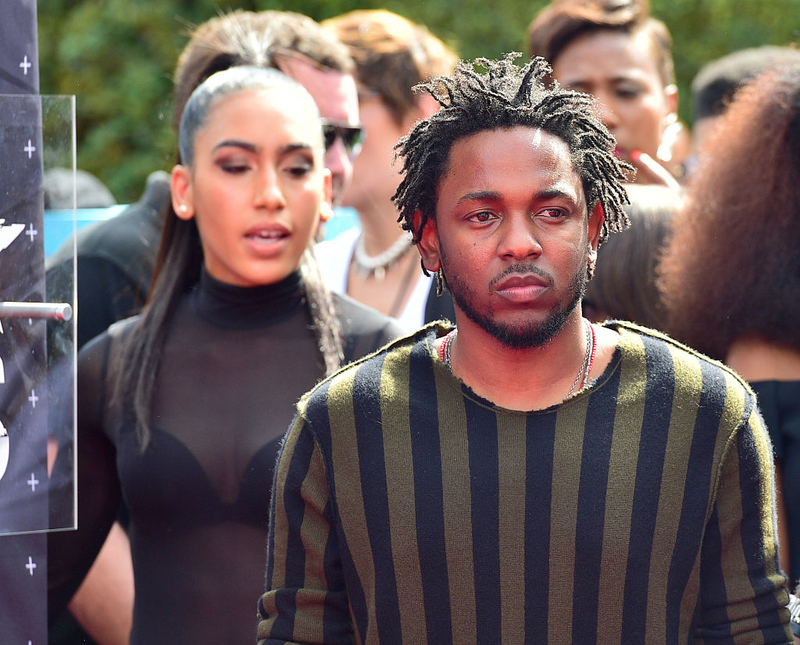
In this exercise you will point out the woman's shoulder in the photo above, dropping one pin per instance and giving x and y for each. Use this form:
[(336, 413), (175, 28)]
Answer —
[(100, 358)]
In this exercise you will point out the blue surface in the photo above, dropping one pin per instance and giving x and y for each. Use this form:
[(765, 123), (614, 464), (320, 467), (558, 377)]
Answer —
[(343, 218), (58, 224)]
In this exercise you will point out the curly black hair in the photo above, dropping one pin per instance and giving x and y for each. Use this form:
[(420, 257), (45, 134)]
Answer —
[(732, 268), (506, 96)]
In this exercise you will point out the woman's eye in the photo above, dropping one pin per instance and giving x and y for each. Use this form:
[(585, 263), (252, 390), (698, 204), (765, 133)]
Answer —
[(234, 168), (298, 165), (299, 170), (628, 92)]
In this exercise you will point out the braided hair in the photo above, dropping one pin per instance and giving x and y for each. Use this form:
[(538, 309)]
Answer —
[(507, 96)]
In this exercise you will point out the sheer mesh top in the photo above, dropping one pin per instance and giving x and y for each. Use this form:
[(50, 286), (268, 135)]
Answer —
[(234, 363)]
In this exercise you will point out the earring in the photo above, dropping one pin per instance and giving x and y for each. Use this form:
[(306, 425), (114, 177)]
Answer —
[(591, 263), (182, 208), (440, 282)]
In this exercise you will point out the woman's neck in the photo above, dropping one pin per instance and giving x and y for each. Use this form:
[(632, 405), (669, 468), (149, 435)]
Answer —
[(755, 359), (235, 307)]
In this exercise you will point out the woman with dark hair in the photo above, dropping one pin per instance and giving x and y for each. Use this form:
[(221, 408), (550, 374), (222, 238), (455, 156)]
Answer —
[(181, 409), (616, 51), (731, 274), (624, 283)]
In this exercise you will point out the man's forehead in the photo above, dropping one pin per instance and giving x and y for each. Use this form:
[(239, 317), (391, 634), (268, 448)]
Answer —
[(333, 91), (545, 154)]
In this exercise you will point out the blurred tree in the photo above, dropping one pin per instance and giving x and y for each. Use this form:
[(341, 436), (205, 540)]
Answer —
[(117, 57)]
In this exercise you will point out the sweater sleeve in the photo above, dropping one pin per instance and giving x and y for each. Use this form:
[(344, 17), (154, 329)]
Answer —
[(743, 593), (305, 599)]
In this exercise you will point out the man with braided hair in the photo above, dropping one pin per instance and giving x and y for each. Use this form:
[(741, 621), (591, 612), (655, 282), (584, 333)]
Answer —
[(525, 477)]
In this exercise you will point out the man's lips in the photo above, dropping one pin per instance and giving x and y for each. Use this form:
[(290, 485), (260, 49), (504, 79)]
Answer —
[(521, 287)]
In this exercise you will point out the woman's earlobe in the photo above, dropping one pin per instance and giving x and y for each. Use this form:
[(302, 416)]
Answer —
[(325, 211), (181, 192)]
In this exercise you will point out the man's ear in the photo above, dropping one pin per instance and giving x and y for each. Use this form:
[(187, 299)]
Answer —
[(596, 219), (181, 192), (428, 245)]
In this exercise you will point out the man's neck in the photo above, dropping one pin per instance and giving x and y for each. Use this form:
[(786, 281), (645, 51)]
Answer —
[(526, 379)]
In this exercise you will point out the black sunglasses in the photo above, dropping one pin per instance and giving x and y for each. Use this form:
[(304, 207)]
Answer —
[(352, 136)]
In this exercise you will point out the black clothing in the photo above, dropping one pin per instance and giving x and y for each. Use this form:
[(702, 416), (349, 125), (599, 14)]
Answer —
[(439, 307), (779, 402), (115, 262), (234, 363)]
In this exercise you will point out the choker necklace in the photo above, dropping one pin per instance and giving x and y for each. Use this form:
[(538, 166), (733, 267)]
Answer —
[(378, 265), (583, 373)]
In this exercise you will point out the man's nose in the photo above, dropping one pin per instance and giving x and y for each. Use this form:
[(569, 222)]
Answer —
[(338, 162), (519, 240)]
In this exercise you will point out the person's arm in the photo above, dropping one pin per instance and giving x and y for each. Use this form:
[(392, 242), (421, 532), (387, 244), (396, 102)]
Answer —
[(783, 521), (742, 589), (794, 612), (71, 553), (649, 171), (305, 599), (103, 604)]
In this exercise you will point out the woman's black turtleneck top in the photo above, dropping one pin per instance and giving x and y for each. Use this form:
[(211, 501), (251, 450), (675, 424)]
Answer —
[(234, 363)]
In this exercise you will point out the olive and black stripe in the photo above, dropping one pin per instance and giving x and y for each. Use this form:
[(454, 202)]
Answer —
[(407, 509)]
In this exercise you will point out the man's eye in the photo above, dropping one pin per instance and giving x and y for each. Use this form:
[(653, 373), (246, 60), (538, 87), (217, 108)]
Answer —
[(481, 217), (552, 213)]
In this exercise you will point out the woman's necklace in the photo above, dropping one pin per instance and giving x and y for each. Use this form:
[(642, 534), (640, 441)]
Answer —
[(378, 265), (583, 373)]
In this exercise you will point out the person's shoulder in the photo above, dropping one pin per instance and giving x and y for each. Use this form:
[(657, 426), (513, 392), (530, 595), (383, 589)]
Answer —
[(358, 319), (132, 232), (664, 357), (116, 334), (363, 376), (100, 359)]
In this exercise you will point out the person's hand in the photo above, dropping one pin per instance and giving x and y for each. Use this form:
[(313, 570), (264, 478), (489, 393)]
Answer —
[(649, 171), (794, 616)]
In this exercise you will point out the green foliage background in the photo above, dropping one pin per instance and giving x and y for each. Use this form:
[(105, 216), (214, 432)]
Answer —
[(117, 57)]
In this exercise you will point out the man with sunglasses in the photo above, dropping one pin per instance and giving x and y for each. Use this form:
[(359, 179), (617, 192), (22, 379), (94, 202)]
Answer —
[(333, 89), (115, 258), (374, 262)]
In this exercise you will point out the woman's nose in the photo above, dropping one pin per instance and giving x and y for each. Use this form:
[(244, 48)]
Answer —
[(269, 193)]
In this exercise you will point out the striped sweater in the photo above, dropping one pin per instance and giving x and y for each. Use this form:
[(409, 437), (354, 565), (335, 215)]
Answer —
[(406, 509)]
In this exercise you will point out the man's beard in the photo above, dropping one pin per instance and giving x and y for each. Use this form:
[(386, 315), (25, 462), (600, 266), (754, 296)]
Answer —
[(522, 335)]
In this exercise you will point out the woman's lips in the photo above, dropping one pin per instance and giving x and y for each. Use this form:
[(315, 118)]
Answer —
[(267, 241)]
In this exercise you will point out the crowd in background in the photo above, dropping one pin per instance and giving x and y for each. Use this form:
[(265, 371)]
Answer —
[(218, 345)]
